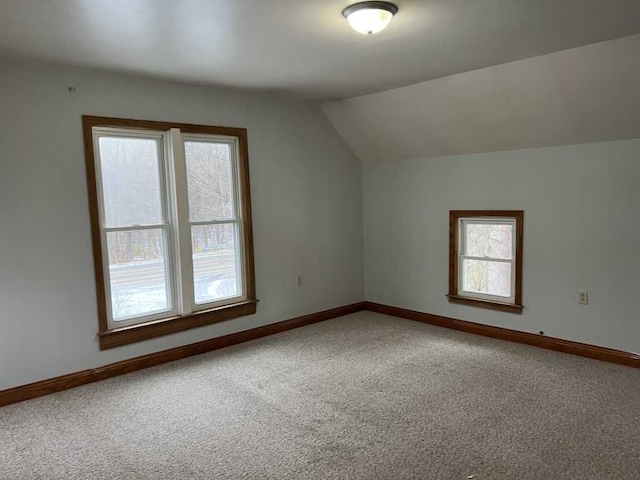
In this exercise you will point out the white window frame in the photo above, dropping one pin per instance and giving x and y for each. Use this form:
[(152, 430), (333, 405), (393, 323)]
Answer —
[(462, 256), (185, 222), (176, 223)]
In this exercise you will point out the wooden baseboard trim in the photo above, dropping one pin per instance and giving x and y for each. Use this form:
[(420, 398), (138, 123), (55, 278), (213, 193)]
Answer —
[(58, 384), (46, 387), (551, 343)]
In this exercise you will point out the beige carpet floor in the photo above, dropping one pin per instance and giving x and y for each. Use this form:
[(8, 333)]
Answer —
[(366, 396)]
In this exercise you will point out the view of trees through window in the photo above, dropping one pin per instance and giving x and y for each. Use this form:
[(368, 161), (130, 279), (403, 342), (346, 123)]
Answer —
[(491, 248), (210, 187), (137, 233)]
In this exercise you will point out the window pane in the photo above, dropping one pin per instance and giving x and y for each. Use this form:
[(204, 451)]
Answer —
[(489, 240), (490, 278), (137, 269), (215, 260), (209, 180), (130, 181)]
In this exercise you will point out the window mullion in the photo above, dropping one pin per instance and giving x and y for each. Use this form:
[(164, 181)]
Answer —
[(214, 222), (487, 259), (181, 220), (132, 228)]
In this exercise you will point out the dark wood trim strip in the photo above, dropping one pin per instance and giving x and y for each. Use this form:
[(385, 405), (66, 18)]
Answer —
[(247, 219), (165, 326), (490, 304), (99, 121), (94, 214), (46, 387), (551, 343)]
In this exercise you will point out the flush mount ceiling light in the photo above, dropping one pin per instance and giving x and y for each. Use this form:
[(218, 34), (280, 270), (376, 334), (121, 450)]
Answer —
[(369, 17)]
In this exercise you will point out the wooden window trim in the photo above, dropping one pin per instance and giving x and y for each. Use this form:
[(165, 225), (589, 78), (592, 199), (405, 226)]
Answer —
[(109, 338), (454, 242)]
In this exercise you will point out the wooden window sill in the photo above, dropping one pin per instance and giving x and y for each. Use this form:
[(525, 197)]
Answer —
[(490, 304), (165, 326)]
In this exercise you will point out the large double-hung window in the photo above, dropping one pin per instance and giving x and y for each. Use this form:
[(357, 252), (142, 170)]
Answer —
[(171, 220)]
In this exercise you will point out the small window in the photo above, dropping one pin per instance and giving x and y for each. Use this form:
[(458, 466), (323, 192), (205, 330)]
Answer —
[(171, 222), (485, 259)]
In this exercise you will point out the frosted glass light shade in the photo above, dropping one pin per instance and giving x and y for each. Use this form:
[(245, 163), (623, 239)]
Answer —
[(369, 17)]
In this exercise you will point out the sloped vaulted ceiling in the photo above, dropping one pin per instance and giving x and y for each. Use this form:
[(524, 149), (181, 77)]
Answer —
[(582, 95)]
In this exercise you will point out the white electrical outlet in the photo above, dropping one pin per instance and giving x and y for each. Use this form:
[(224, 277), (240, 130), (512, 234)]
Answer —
[(583, 297), (299, 280)]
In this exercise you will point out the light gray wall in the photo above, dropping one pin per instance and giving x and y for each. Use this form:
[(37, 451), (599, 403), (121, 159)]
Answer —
[(306, 189), (581, 232), (582, 95)]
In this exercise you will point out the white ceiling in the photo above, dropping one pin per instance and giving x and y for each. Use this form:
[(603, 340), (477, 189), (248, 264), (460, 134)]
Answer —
[(582, 95), (303, 47)]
